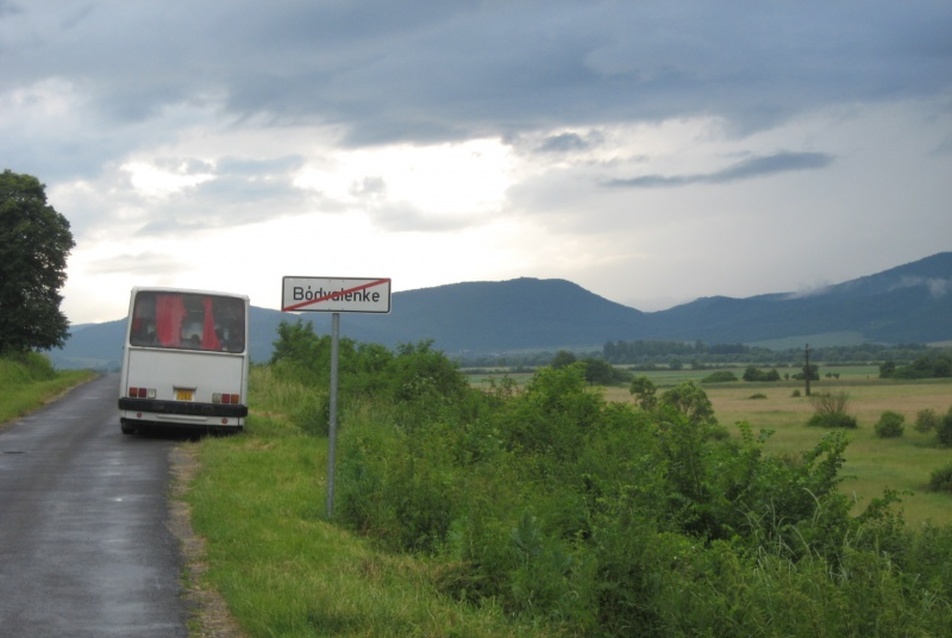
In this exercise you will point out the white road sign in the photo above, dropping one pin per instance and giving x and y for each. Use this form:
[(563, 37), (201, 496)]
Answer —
[(335, 294)]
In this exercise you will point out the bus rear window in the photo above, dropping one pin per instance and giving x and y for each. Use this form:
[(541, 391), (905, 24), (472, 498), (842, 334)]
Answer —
[(188, 321)]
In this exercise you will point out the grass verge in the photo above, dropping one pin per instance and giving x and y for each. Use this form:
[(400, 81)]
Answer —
[(257, 501), (29, 382)]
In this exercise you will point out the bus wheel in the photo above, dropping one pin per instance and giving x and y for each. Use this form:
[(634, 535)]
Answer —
[(126, 428)]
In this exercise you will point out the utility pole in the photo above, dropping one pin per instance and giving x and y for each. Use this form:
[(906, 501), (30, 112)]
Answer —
[(806, 367)]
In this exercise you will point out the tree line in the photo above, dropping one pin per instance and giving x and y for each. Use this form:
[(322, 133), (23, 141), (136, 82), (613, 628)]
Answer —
[(699, 353), (648, 354)]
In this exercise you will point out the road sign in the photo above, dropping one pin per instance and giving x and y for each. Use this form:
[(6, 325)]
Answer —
[(335, 294)]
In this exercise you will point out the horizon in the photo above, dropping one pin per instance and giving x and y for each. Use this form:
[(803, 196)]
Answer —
[(776, 292)]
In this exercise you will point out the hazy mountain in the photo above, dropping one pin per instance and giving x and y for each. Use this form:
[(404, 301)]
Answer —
[(907, 304), (911, 303)]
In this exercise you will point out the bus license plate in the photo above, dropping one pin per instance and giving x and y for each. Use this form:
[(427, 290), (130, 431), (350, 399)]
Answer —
[(183, 395)]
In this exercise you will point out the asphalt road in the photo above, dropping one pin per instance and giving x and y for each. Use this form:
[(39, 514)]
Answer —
[(85, 548)]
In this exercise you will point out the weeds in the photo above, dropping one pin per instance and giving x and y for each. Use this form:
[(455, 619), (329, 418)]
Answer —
[(829, 411), (550, 511)]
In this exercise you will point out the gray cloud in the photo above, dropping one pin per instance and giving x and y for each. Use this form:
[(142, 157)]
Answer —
[(226, 201), (565, 143), (139, 264), (247, 111), (438, 71), (747, 169)]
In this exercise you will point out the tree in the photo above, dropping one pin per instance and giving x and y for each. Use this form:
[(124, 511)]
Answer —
[(563, 359), (34, 243), (753, 373), (599, 371), (644, 391)]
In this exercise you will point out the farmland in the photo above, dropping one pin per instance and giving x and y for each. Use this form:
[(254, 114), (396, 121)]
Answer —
[(548, 512), (872, 464)]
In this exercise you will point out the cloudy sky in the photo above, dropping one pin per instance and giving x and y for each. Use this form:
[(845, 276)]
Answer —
[(652, 151)]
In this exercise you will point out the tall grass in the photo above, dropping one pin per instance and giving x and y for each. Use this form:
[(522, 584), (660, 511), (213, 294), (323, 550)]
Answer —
[(29, 380), (549, 511), (259, 500)]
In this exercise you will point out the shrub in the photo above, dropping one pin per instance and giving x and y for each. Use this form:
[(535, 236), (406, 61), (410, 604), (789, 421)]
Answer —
[(889, 425), (941, 480), (600, 372), (943, 429), (721, 376), (926, 420), (758, 395), (837, 420), (644, 391), (690, 400), (830, 411), (753, 373)]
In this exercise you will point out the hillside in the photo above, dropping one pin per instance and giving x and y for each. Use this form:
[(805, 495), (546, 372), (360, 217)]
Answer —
[(911, 303), (907, 304)]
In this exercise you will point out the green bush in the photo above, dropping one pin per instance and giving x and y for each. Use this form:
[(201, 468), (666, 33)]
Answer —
[(312, 414), (644, 391), (753, 373), (926, 420), (608, 519), (889, 425), (830, 411), (721, 376), (941, 479), (943, 429), (600, 372), (836, 420)]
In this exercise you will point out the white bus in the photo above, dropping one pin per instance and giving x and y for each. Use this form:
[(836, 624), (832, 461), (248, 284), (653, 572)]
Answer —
[(185, 361)]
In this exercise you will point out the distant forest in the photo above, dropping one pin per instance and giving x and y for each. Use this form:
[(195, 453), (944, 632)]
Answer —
[(699, 355)]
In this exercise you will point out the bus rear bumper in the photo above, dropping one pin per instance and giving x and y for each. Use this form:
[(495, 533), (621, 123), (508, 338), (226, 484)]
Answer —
[(140, 414)]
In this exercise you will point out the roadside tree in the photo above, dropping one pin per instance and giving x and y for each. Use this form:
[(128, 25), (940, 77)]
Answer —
[(34, 243)]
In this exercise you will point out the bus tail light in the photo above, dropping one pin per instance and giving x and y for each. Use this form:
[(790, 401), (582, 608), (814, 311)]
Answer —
[(226, 398), (141, 393)]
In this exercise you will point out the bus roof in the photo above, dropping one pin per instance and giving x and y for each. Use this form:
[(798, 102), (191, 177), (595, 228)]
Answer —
[(191, 291)]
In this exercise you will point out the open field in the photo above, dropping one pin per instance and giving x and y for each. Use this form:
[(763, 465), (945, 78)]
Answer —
[(903, 464), (284, 569)]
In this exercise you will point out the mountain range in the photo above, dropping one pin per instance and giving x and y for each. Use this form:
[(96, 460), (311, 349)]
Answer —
[(911, 303)]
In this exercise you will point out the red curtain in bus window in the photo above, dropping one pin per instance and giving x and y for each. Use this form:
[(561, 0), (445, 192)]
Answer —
[(209, 338), (169, 313)]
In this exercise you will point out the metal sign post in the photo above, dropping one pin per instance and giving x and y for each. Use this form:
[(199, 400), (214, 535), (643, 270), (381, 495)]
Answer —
[(334, 295), (332, 414)]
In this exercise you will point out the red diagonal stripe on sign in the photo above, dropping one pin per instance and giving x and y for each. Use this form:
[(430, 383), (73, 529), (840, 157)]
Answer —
[(336, 293)]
